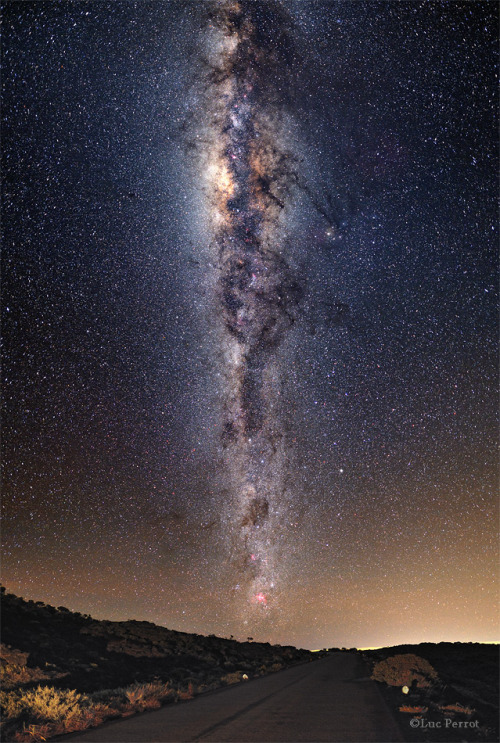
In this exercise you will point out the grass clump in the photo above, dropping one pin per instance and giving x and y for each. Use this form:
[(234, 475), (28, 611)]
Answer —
[(457, 708), (413, 709), (43, 703), (148, 696)]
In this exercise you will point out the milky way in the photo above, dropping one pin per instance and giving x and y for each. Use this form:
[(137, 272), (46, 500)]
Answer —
[(248, 185)]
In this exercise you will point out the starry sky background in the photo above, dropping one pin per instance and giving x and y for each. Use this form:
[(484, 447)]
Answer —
[(112, 407)]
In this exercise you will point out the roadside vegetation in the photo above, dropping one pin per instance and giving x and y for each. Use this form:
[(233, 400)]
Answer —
[(44, 711)]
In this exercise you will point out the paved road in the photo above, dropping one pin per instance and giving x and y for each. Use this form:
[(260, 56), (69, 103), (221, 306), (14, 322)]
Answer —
[(326, 700)]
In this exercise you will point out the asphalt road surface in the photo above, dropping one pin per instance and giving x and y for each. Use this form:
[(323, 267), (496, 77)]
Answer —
[(330, 699)]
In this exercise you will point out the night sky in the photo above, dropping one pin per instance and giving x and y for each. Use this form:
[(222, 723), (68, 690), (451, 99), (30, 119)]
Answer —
[(250, 316)]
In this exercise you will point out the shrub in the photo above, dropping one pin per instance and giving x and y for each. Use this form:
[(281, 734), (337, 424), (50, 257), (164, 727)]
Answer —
[(43, 703), (148, 696), (403, 670), (456, 708), (186, 694), (413, 710)]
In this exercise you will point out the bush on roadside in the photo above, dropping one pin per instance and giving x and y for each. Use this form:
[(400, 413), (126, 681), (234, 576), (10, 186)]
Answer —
[(43, 703), (403, 670), (148, 696)]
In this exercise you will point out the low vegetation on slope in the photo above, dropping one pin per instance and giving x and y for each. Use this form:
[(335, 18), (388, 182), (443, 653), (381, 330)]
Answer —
[(63, 671)]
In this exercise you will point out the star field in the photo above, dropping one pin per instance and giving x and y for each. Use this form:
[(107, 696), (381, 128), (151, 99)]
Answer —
[(116, 497)]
